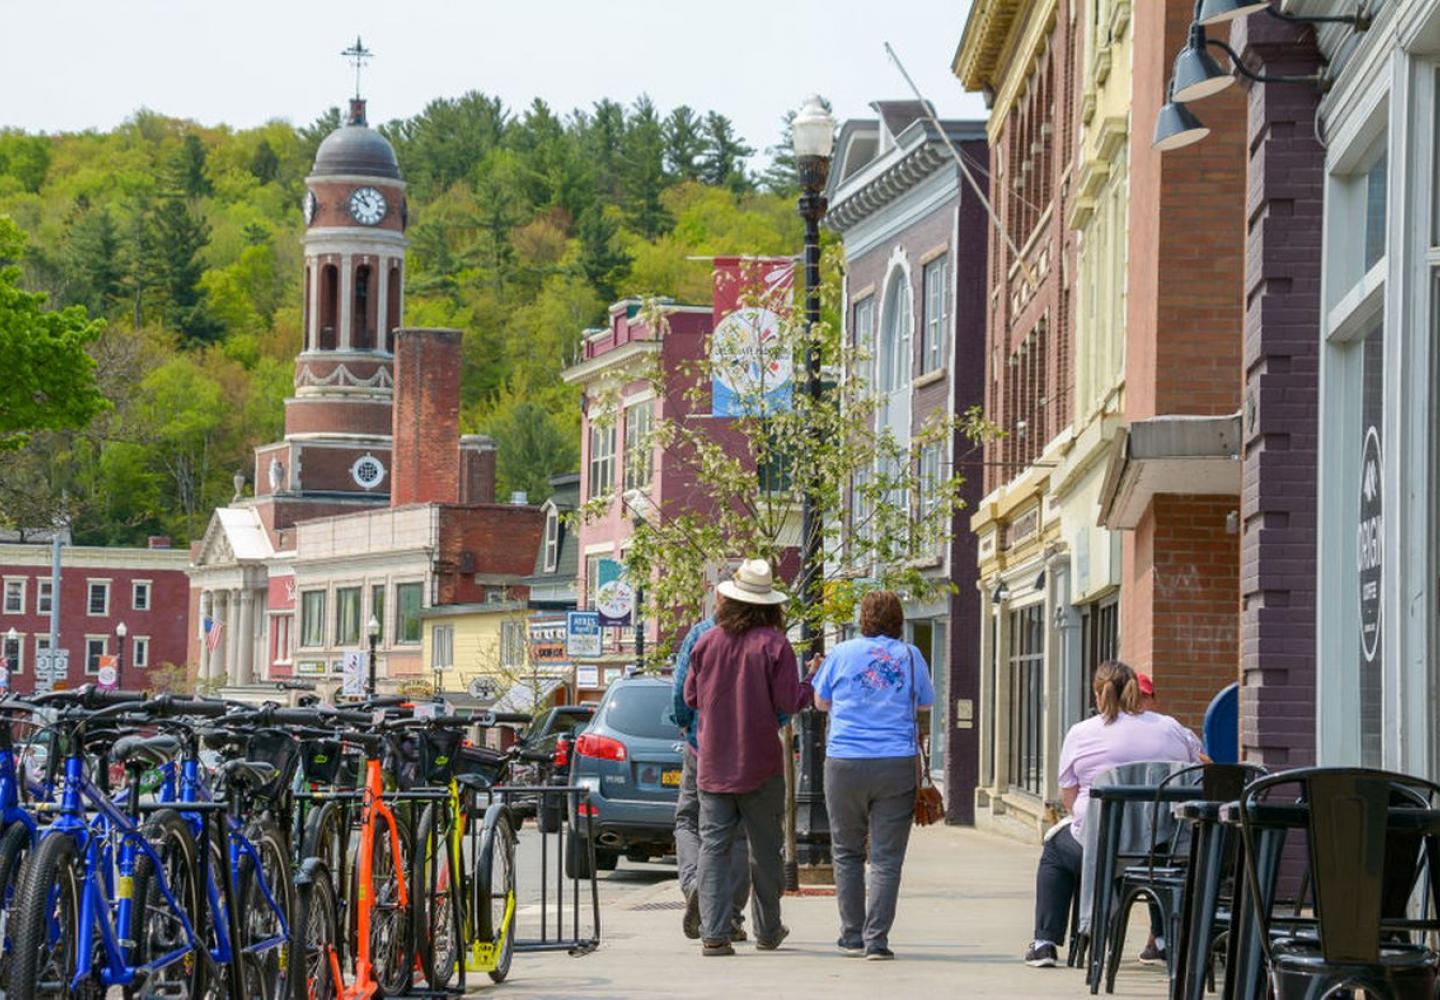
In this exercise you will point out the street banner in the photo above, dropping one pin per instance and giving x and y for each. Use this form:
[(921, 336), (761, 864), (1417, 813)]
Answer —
[(751, 369), (353, 669), (108, 672), (582, 633), (614, 597)]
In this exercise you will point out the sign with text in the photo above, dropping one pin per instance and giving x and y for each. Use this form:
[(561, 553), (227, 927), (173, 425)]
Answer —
[(108, 671), (587, 677), (751, 367), (352, 667), (51, 666), (582, 633), (548, 638), (614, 597)]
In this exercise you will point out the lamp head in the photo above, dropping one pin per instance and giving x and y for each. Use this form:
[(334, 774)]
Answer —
[(121, 630), (1220, 11), (372, 627), (1177, 127), (12, 635), (1196, 74), (813, 130)]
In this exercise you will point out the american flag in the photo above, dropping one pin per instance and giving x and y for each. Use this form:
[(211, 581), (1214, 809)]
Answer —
[(213, 628)]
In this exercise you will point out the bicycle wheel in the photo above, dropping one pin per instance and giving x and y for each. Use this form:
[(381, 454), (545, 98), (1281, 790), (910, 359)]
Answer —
[(267, 963), (327, 837), (495, 893), (390, 920), (47, 922), (439, 922), (155, 926), (14, 847), (317, 932)]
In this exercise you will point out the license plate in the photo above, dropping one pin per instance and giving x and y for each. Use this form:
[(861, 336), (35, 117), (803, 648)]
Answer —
[(670, 776)]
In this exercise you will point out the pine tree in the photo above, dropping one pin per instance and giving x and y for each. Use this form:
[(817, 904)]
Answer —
[(93, 260), (313, 134), (725, 155), (643, 170), (604, 135), (602, 261), (684, 144), (174, 262), (187, 168), (264, 164)]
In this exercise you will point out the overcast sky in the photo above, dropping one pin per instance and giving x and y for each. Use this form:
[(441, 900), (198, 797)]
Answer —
[(76, 64)]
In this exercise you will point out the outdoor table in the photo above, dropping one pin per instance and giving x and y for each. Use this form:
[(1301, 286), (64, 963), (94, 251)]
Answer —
[(1210, 843), (1112, 799)]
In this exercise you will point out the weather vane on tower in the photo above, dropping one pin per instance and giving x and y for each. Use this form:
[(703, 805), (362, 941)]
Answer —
[(358, 55)]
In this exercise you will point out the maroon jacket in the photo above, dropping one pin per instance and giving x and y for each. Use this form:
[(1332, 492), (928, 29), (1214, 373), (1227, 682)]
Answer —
[(739, 684)]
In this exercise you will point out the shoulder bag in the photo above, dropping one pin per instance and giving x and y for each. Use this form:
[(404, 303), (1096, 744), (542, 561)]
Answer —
[(929, 805)]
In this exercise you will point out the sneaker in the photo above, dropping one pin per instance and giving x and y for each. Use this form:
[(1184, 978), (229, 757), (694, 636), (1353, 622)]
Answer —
[(1041, 956), (850, 950), (1152, 955), (775, 942), (737, 933), (879, 955), (691, 923), (717, 949)]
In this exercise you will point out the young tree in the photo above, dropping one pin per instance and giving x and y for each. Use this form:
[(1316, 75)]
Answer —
[(50, 377)]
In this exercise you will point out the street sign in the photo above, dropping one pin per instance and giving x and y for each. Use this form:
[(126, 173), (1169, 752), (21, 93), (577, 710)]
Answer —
[(582, 633), (484, 688), (51, 668)]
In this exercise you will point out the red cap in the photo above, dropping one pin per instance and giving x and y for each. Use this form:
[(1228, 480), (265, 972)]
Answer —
[(1147, 686)]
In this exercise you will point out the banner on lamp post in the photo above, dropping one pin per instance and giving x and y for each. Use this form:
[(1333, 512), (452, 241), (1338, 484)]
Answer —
[(752, 371), (614, 597)]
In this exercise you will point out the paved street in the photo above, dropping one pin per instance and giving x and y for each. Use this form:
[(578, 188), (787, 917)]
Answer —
[(964, 919)]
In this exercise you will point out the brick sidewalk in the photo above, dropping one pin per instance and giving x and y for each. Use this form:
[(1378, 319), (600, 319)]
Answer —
[(965, 916)]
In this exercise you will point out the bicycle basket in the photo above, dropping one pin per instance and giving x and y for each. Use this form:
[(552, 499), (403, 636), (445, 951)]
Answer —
[(480, 761), (437, 761), (402, 761), (278, 749), (320, 760)]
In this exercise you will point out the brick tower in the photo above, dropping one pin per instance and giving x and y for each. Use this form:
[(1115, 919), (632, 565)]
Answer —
[(337, 448)]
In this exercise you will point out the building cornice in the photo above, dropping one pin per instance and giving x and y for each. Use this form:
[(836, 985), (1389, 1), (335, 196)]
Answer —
[(987, 32), (94, 557), (608, 362), (920, 152)]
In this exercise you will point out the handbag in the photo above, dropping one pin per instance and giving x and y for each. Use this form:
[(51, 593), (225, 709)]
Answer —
[(929, 803)]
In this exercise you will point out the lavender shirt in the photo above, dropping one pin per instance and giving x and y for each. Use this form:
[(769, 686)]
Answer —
[(1092, 747)]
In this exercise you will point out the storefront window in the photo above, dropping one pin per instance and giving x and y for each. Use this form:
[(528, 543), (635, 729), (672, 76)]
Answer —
[(1369, 548), (1099, 641), (1027, 689), (407, 612)]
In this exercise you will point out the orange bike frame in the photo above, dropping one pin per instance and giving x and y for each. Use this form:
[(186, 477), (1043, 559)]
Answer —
[(374, 805)]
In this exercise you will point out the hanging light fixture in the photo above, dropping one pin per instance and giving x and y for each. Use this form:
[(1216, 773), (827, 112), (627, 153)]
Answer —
[(1220, 11), (1176, 126), (1196, 74)]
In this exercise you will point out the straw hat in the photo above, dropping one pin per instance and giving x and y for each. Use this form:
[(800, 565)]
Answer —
[(753, 584)]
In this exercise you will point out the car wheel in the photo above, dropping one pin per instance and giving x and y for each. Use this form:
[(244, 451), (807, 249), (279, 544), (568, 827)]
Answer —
[(548, 813), (606, 860), (577, 857)]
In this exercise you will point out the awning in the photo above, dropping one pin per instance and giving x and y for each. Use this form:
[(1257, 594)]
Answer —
[(1170, 454), (523, 697)]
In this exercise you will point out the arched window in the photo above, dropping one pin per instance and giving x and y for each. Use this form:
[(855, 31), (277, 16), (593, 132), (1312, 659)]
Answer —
[(896, 358), (329, 305), (362, 330)]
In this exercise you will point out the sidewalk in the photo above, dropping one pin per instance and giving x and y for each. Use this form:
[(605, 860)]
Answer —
[(964, 919)]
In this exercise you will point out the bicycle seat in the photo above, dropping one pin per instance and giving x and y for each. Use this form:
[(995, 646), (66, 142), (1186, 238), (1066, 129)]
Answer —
[(250, 774), (144, 751)]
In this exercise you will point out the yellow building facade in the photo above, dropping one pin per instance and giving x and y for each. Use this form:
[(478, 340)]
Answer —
[(476, 650)]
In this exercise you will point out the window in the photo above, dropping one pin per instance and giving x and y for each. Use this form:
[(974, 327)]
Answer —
[(407, 612), (347, 616), (442, 647), (1099, 641), (140, 595), (44, 596), (140, 651), (592, 577), (929, 532), (602, 460), (495, 595), (512, 644), (312, 618), (15, 655), (377, 609), (639, 456), (1027, 689), (281, 628), (864, 321), (1375, 189), (932, 350), (42, 642), (552, 540), (895, 359), (96, 646), (14, 597), (98, 597)]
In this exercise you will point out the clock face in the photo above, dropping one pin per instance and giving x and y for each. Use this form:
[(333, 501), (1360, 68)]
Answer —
[(367, 206), (367, 472), (311, 206)]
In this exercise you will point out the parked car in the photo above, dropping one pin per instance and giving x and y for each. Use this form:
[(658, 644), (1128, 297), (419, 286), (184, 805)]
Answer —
[(544, 759), (629, 758)]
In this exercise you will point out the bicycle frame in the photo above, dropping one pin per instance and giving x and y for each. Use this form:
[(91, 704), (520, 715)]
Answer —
[(373, 806)]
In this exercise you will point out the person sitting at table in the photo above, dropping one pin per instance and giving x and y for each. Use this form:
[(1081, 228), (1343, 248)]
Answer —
[(1121, 732)]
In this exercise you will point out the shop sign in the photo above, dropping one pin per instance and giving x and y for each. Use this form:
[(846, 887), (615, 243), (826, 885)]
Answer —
[(614, 596), (587, 677), (1369, 544), (582, 633)]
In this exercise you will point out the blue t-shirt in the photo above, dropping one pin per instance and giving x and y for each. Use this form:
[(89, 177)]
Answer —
[(867, 682)]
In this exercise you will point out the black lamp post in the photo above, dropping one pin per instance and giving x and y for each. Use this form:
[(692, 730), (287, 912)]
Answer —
[(372, 630), (813, 133), (120, 633)]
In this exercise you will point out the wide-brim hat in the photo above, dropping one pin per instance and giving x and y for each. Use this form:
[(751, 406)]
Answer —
[(753, 583)]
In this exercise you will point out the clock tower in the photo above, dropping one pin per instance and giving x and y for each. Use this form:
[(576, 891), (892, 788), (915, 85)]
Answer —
[(337, 446)]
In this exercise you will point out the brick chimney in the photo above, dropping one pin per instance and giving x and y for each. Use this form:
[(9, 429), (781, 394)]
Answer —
[(425, 463), (477, 469)]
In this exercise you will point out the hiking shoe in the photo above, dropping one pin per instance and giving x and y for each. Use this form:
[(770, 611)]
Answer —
[(879, 955), (775, 942), (850, 950), (691, 923), (1153, 955), (1041, 956), (716, 949), (737, 933)]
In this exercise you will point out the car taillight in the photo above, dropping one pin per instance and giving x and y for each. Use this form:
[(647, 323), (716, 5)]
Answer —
[(586, 809), (602, 747), (561, 757)]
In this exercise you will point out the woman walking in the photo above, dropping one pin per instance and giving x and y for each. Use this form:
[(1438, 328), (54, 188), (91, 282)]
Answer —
[(872, 687), (742, 677)]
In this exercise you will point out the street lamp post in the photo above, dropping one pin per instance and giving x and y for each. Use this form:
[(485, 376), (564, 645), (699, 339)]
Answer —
[(120, 633), (372, 631), (813, 132)]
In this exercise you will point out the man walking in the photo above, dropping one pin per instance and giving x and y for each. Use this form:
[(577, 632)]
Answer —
[(687, 809), (742, 675)]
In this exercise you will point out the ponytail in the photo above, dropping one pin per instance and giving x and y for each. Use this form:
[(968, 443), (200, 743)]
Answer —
[(1117, 690)]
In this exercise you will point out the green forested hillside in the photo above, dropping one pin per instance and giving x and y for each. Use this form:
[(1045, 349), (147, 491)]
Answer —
[(525, 224)]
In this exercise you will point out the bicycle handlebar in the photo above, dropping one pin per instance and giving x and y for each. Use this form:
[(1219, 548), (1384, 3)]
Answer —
[(90, 696)]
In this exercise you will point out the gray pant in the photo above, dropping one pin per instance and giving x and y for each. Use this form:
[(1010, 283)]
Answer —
[(721, 815), (687, 843), (874, 796)]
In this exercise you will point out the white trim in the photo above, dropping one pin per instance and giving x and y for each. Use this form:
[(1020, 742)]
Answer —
[(24, 582), (20, 637), (85, 653), (135, 641), (90, 584), (149, 586)]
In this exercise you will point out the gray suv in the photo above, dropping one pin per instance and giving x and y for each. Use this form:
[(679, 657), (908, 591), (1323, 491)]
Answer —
[(629, 757)]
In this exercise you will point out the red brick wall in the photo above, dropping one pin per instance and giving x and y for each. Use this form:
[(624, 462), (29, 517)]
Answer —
[(477, 474), (425, 465), (329, 416), (502, 539)]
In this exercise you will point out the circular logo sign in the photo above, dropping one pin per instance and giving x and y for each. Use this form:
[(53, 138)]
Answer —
[(1369, 544), (615, 599), (367, 472), (749, 357), (106, 676)]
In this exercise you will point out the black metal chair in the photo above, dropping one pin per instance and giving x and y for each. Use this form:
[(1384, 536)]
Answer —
[(1364, 830), (1163, 878)]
